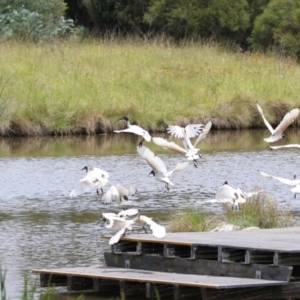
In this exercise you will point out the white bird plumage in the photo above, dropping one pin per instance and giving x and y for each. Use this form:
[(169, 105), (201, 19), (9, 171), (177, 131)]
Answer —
[(277, 133), (157, 230), (190, 153), (226, 192), (95, 178), (204, 132), (113, 222), (119, 193), (159, 169), (135, 129), (295, 183), (188, 132), (285, 146), (122, 224)]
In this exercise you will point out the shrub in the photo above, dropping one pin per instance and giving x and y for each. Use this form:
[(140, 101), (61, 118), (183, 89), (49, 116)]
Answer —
[(204, 18), (125, 16), (278, 28), (259, 211), (35, 20), (190, 220)]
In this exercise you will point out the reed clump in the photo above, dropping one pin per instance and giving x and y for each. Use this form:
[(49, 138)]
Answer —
[(259, 211), (191, 220), (70, 87)]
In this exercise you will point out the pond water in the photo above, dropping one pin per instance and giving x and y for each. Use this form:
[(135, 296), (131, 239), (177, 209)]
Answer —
[(41, 227)]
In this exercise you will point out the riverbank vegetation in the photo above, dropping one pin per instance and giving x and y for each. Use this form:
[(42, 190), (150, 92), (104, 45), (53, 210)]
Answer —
[(74, 67), (259, 211), (70, 87)]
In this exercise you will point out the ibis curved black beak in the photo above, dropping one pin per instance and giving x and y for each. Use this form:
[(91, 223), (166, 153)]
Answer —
[(85, 168), (152, 173), (101, 220), (119, 120), (284, 136), (123, 118)]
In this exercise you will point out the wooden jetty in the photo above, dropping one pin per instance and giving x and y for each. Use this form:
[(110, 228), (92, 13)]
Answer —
[(258, 264)]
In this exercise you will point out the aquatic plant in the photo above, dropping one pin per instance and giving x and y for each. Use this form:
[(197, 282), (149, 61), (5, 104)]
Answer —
[(190, 220), (259, 211)]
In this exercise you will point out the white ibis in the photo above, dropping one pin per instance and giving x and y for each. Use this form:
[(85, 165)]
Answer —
[(277, 133), (123, 225), (191, 154), (234, 194), (159, 169), (295, 183), (95, 178), (285, 146), (134, 129), (119, 193)]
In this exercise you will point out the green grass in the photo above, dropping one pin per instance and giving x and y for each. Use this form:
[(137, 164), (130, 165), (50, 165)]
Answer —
[(83, 87), (191, 220), (258, 211)]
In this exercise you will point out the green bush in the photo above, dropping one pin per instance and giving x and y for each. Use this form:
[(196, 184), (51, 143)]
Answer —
[(33, 19), (198, 17), (278, 28)]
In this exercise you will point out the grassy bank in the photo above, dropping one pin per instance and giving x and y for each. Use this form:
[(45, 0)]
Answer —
[(83, 87)]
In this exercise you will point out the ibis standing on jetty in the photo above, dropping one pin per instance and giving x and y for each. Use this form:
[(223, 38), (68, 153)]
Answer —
[(134, 129), (159, 169), (95, 178), (277, 133)]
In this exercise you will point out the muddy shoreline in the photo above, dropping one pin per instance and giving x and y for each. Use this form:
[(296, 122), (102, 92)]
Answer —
[(228, 117), (15, 129)]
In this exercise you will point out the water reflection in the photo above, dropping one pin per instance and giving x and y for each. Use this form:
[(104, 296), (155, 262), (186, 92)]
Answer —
[(118, 144), (41, 227)]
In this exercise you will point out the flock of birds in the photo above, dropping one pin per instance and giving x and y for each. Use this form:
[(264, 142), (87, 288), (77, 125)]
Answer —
[(124, 221)]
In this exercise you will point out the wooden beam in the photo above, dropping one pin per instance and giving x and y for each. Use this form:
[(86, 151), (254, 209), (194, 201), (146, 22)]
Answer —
[(104, 285), (51, 280), (79, 283), (202, 267)]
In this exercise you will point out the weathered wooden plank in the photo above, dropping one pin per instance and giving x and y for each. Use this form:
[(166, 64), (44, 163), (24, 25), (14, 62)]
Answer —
[(280, 239), (198, 266), (106, 285), (288, 291), (215, 282)]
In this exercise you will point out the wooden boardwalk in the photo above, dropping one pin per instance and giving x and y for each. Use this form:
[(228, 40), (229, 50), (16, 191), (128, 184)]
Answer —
[(258, 264)]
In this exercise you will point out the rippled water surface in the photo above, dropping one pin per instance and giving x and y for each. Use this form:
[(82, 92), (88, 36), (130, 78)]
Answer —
[(41, 227)]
